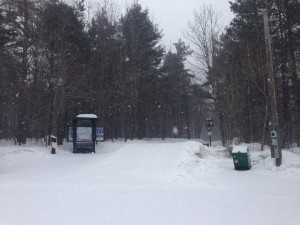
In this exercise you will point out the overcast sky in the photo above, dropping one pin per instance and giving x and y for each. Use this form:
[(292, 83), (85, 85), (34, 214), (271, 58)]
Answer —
[(172, 16)]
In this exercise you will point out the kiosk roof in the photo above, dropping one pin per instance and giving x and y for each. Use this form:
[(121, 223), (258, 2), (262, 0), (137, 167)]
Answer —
[(91, 116)]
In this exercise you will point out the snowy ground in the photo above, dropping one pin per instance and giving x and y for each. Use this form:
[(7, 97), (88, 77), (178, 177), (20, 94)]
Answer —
[(146, 183)]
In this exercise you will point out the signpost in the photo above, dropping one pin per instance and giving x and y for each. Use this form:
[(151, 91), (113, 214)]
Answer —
[(53, 144), (209, 123), (50, 128)]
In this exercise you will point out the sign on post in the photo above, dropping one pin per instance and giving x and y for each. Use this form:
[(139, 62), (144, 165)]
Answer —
[(275, 148), (70, 133), (99, 133), (50, 128), (209, 123)]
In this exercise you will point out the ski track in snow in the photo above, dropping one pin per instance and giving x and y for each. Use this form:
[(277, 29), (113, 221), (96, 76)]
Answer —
[(146, 183)]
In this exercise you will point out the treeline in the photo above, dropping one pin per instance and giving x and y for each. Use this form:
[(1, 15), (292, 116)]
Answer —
[(54, 64), (239, 75)]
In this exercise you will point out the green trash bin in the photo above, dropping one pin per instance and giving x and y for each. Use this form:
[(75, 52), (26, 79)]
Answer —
[(241, 157)]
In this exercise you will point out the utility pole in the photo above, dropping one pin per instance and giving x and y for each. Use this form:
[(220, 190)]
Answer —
[(275, 147)]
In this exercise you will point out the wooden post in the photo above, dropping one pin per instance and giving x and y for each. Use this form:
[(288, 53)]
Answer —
[(53, 144)]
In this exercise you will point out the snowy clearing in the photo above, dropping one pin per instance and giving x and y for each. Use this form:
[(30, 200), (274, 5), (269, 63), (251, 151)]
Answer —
[(174, 182)]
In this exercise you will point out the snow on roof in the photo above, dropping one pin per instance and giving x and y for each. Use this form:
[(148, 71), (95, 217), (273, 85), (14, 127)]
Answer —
[(92, 116), (240, 148)]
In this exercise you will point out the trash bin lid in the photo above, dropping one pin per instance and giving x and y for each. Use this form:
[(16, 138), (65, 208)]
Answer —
[(240, 149)]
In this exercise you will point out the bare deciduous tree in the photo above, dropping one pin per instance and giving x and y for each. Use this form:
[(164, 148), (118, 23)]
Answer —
[(203, 33)]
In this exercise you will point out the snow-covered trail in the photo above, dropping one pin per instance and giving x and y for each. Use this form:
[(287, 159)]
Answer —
[(143, 183)]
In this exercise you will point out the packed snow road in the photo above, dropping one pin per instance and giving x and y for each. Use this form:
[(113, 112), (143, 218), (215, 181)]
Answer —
[(146, 183)]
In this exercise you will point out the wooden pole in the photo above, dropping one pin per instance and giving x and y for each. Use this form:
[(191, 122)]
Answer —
[(272, 89)]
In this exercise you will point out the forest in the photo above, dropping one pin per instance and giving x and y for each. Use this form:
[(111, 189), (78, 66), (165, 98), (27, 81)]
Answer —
[(57, 60)]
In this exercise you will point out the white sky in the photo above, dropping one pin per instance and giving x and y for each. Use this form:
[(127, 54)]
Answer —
[(172, 16)]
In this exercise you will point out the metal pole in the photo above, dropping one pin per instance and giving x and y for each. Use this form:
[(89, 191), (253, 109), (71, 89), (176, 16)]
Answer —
[(274, 112)]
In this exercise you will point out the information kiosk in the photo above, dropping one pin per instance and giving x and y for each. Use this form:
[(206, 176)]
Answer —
[(82, 132)]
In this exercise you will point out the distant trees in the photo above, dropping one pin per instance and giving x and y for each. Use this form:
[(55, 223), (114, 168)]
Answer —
[(182, 102), (54, 65)]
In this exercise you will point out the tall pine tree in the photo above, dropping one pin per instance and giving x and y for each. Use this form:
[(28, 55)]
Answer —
[(143, 55)]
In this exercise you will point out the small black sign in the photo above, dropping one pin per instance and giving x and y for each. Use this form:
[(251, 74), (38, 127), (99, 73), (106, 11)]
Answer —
[(50, 127)]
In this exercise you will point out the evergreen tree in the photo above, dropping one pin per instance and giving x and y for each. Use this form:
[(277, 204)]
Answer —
[(19, 17), (106, 77), (8, 77), (143, 55)]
